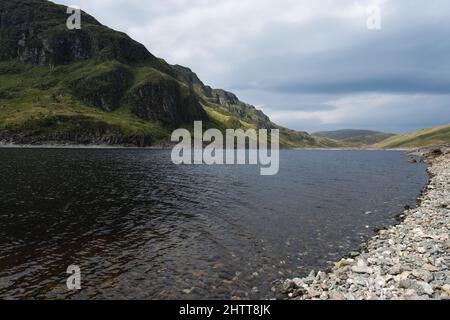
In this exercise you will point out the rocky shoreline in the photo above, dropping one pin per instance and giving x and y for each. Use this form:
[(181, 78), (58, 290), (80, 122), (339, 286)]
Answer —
[(27, 139), (407, 261)]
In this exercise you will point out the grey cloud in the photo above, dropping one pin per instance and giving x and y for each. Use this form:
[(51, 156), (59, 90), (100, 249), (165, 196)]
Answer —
[(273, 57), (304, 107), (388, 84)]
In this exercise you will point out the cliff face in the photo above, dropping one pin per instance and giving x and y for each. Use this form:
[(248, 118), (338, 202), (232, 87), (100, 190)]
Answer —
[(166, 101), (34, 31), (55, 82)]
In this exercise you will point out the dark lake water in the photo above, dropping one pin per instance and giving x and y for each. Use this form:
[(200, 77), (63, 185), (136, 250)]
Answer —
[(140, 227)]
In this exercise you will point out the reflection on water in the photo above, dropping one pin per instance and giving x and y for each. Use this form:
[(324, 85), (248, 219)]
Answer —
[(141, 227)]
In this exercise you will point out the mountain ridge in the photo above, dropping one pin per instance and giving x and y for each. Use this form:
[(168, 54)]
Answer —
[(429, 137), (355, 137), (98, 86)]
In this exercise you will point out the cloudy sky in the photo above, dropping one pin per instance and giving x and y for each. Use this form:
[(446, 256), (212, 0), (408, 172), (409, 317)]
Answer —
[(310, 65)]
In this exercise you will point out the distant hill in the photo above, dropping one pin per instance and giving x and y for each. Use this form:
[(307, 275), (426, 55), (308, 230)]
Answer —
[(423, 138), (354, 138), (99, 86)]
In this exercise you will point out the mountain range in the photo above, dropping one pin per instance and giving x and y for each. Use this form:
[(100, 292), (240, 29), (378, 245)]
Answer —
[(355, 138), (98, 86)]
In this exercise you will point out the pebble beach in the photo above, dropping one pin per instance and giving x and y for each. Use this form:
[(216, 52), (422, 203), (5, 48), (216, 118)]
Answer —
[(409, 261)]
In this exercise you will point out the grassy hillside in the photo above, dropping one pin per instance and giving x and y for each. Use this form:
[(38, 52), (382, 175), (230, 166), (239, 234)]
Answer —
[(355, 138), (422, 138), (96, 85), (38, 104)]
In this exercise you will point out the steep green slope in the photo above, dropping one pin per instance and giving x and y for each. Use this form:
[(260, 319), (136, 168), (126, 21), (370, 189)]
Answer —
[(42, 105), (97, 85), (355, 138), (422, 138)]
